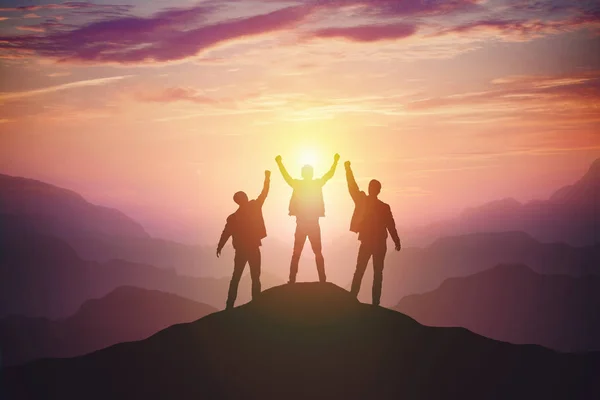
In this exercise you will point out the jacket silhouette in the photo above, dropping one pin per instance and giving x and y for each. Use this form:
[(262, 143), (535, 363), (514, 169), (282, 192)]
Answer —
[(372, 220), (307, 206), (247, 227)]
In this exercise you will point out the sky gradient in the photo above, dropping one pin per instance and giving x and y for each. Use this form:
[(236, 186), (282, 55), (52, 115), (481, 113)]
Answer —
[(165, 109)]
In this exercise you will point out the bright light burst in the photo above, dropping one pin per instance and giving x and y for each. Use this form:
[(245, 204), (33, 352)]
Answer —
[(308, 156)]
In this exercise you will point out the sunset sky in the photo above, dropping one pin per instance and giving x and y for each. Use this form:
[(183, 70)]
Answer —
[(163, 109)]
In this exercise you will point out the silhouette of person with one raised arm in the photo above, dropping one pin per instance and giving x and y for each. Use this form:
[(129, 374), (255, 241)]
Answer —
[(307, 206), (247, 228), (372, 220)]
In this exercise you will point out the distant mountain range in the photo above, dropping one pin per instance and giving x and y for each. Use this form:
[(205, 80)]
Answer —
[(126, 314), (42, 276), (415, 270), (570, 215), (514, 304), (96, 233), (310, 341)]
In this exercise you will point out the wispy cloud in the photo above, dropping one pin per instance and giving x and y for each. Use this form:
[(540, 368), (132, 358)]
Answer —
[(59, 74), (576, 91), (67, 5), (183, 33), (520, 30), (7, 96), (163, 37), (31, 28), (176, 94), (367, 33)]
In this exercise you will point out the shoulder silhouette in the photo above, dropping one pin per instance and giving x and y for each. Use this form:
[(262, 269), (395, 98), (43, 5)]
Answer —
[(247, 228), (372, 219), (307, 205)]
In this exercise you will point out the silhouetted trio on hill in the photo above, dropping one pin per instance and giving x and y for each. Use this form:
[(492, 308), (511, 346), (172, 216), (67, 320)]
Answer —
[(372, 220)]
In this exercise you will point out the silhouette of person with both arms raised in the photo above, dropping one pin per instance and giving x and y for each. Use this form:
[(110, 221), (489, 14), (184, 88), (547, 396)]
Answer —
[(372, 220), (247, 228), (307, 206)]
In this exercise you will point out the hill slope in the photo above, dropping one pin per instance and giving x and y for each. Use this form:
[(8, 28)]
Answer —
[(514, 304), (310, 340), (125, 314)]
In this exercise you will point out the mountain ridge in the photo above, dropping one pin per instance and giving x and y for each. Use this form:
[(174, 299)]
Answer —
[(571, 214), (125, 314), (513, 303), (310, 340)]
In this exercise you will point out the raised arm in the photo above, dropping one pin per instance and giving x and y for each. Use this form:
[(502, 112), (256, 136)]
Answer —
[(224, 237), (265, 191), (391, 227), (288, 179), (352, 185), (331, 171)]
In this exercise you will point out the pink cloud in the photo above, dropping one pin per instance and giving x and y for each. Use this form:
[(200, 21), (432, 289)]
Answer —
[(67, 5), (367, 33), (31, 28), (526, 28), (175, 94), (396, 7), (160, 38), (575, 91)]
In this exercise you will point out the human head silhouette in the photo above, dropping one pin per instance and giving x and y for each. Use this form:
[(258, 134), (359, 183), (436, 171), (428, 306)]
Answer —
[(307, 172), (374, 187), (240, 198)]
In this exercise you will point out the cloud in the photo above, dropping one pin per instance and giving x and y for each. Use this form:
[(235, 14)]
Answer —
[(523, 29), (182, 33), (31, 28), (51, 89), (59, 74), (395, 8), (518, 20), (367, 33), (67, 5), (160, 38), (543, 93), (175, 94)]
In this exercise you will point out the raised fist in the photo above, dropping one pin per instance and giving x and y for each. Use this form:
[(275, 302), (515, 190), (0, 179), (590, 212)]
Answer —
[(267, 174), (347, 164), (278, 159), (336, 158)]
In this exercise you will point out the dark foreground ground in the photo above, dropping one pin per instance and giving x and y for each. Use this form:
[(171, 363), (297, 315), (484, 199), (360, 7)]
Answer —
[(309, 341)]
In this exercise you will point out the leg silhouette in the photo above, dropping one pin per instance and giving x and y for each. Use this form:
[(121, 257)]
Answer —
[(254, 260), (299, 240), (239, 262), (378, 259), (314, 235), (364, 254)]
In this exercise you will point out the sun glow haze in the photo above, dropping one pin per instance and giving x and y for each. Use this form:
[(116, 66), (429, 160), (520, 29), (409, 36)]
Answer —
[(308, 156), (177, 108)]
